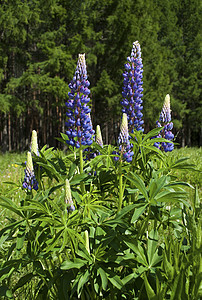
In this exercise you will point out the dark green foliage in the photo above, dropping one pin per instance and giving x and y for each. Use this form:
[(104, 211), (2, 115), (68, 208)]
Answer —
[(40, 42)]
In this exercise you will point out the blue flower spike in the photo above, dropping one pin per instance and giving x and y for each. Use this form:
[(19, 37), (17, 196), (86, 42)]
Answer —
[(125, 147), (132, 91), (165, 122), (30, 181), (68, 197), (79, 125)]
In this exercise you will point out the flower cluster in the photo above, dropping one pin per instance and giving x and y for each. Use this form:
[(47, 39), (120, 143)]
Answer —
[(132, 89), (79, 126), (165, 122), (125, 147), (68, 197), (30, 181)]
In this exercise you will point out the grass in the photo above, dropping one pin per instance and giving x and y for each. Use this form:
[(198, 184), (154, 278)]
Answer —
[(11, 171), (194, 177)]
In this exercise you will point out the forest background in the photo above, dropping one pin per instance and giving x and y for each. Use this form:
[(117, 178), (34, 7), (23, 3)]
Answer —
[(39, 45)]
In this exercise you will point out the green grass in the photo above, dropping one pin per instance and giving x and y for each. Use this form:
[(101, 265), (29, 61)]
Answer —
[(194, 177), (10, 171)]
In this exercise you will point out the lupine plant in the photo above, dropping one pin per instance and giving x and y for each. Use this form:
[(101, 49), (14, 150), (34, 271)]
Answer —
[(129, 231)]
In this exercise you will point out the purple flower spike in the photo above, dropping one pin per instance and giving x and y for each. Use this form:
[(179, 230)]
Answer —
[(79, 126), (125, 147), (165, 122), (132, 89), (30, 181)]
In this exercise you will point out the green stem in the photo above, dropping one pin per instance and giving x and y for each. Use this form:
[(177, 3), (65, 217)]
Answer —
[(81, 170), (120, 187)]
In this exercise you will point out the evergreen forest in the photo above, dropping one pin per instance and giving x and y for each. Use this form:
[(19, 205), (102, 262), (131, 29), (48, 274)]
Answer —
[(39, 45)]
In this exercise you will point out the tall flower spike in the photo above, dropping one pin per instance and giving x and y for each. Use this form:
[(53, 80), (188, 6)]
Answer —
[(165, 122), (30, 181), (79, 126), (125, 147), (34, 143), (99, 136), (132, 89), (68, 197), (165, 115)]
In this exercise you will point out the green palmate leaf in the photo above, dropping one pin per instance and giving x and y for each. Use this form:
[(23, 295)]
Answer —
[(138, 212), (76, 264), (138, 250), (137, 181), (156, 185)]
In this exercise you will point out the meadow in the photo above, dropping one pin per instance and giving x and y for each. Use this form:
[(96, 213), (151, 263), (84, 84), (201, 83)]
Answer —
[(11, 170)]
